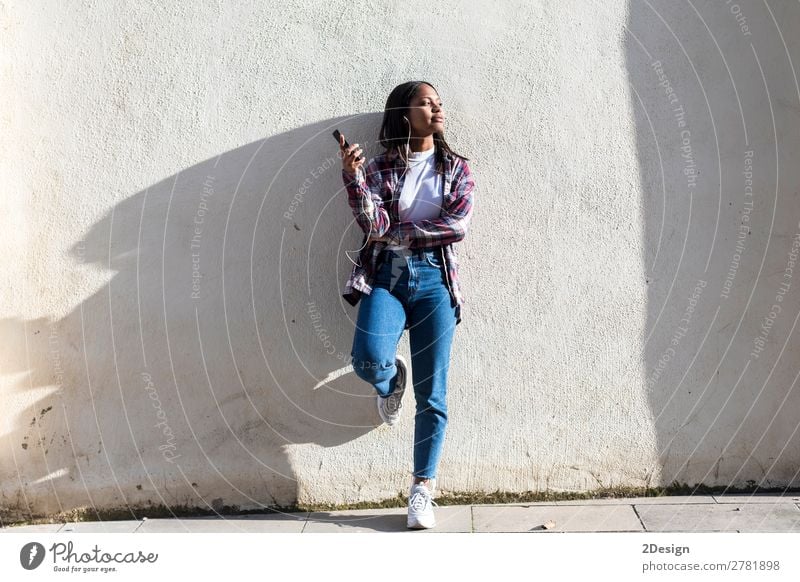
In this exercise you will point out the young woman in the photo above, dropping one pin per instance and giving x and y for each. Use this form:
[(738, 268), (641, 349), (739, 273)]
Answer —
[(413, 201)]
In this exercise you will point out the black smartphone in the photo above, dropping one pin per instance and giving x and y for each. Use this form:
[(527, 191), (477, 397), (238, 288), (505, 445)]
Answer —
[(336, 134)]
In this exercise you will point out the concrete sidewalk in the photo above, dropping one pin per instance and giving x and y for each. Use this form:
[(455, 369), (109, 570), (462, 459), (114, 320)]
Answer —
[(695, 513)]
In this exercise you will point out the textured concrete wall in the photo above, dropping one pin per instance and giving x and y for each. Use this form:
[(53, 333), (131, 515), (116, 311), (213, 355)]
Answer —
[(175, 236)]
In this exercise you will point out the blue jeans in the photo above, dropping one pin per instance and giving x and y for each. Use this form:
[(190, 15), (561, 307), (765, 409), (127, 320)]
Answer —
[(410, 292)]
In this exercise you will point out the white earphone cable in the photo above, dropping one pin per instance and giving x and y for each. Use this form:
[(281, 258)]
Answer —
[(366, 240)]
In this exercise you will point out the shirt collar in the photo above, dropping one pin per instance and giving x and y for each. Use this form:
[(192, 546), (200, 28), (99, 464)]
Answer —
[(394, 153)]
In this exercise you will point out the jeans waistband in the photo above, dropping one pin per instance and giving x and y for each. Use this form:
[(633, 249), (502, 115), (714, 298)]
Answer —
[(418, 253)]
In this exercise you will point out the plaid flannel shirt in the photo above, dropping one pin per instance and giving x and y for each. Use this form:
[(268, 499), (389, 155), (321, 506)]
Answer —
[(371, 195)]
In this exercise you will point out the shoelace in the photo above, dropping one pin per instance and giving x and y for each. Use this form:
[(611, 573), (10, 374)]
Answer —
[(393, 403), (420, 498)]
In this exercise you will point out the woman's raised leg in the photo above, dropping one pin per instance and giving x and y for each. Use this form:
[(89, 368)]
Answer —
[(379, 326)]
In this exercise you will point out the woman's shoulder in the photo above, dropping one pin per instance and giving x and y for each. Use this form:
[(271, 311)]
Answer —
[(460, 164)]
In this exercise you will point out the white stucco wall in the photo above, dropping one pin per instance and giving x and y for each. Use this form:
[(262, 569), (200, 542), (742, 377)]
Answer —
[(175, 230)]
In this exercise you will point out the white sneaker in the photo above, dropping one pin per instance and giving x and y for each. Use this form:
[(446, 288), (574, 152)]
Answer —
[(420, 506), (389, 407)]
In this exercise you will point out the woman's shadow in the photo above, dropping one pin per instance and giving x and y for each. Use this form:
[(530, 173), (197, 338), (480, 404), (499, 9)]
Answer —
[(216, 339)]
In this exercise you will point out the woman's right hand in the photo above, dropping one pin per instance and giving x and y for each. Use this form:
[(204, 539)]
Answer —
[(349, 155)]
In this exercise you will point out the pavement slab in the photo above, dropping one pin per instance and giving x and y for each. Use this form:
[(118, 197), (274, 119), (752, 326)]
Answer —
[(452, 518), (760, 498), (663, 500), (747, 517), (267, 523), (38, 528), (576, 518), (127, 526)]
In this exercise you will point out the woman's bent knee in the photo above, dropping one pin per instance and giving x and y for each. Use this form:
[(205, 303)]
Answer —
[(372, 371)]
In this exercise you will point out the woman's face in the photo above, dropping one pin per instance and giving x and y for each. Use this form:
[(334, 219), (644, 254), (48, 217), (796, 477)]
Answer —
[(425, 112)]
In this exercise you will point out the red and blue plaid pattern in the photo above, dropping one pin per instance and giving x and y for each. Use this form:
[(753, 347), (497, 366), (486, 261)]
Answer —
[(371, 196)]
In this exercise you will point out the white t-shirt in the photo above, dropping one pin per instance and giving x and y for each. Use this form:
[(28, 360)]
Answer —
[(421, 198)]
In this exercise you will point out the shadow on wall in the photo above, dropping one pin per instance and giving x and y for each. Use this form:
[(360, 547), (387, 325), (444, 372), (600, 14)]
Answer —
[(218, 339), (715, 101)]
